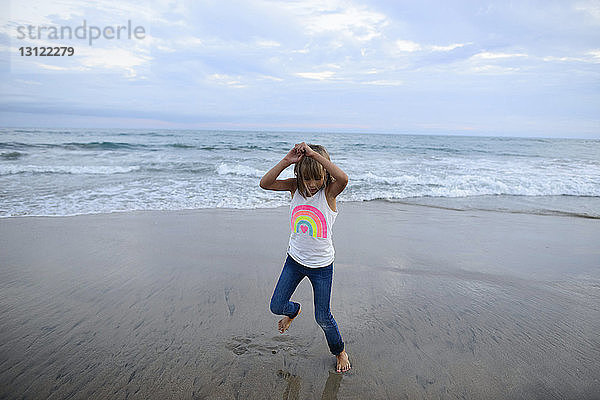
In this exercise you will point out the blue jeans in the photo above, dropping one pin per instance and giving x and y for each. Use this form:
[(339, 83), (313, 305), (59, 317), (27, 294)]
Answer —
[(321, 279)]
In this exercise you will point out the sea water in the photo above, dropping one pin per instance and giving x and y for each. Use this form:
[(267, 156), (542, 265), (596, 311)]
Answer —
[(79, 171)]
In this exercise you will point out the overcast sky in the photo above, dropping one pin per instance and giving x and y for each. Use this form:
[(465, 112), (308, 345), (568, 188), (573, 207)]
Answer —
[(510, 68)]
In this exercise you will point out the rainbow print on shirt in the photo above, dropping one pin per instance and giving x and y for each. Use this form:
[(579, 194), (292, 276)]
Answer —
[(309, 220)]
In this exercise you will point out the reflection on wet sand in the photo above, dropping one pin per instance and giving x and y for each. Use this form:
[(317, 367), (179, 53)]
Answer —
[(292, 390)]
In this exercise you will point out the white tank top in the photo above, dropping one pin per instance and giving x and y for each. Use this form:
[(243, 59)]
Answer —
[(311, 222)]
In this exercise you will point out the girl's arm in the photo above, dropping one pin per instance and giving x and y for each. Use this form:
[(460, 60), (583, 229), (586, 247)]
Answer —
[(270, 181), (341, 179)]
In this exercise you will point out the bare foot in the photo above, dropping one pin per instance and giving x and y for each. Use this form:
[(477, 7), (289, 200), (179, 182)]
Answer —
[(285, 322), (343, 364)]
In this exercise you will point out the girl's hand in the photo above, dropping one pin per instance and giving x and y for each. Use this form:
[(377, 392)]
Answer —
[(306, 150), (294, 155)]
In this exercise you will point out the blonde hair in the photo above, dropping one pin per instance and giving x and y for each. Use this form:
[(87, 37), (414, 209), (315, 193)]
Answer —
[(311, 169)]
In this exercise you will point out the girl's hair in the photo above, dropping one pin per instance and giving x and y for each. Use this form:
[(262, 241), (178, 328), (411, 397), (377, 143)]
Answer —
[(311, 169)]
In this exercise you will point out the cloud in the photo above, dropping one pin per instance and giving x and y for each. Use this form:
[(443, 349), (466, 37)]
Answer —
[(271, 78), (591, 56), (174, 44), (384, 83), (595, 54), (407, 46), (486, 55), (27, 82), (267, 43), (592, 8), (95, 12), (493, 69), (321, 76), (305, 50), (449, 47), (59, 68), (227, 80), (342, 18), (114, 59)]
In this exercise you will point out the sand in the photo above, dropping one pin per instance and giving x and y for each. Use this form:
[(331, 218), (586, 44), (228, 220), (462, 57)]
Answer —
[(431, 303)]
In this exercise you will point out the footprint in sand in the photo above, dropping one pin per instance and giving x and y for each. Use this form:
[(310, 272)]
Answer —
[(242, 345)]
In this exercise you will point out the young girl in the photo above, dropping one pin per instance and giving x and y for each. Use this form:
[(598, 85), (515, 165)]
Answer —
[(310, 253)]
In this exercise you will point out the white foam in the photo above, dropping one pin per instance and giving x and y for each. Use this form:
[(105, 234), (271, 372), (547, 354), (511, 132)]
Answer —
[(238, 169), (67, 169)]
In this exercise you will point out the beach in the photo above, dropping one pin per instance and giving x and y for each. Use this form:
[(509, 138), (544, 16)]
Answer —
[(432, 303)]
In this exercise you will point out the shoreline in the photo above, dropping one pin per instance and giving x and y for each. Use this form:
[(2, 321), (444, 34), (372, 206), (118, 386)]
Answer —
[(442, 203), (175, 304)]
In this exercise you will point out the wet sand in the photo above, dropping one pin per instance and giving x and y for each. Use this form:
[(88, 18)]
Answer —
[(431, 303)]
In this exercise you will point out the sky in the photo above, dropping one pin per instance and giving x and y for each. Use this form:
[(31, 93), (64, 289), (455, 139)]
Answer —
[(502, 68)]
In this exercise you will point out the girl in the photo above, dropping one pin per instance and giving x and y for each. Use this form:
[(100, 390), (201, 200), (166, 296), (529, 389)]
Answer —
[(310, 253)]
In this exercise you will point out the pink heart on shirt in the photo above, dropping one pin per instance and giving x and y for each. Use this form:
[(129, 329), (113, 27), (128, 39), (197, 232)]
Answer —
[(304, 228)]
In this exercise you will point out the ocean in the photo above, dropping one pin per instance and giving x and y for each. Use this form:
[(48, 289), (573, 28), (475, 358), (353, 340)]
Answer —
[(59, 172)]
